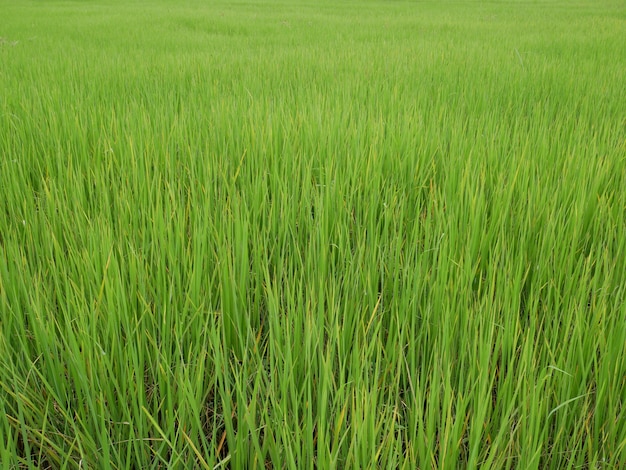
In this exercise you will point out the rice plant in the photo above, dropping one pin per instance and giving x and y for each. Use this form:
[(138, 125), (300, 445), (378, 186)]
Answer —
[(312, 235)]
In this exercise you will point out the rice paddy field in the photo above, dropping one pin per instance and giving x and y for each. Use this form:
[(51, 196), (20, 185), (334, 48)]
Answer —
[(312, 235)]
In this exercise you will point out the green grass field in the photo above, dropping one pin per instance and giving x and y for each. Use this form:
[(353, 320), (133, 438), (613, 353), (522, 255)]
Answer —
[(312, 235)]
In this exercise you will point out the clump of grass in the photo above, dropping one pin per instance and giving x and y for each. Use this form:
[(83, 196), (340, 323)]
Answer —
[(385, 236)]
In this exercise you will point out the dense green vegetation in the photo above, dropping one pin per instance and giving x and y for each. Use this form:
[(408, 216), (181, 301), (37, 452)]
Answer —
[(312, 234)]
